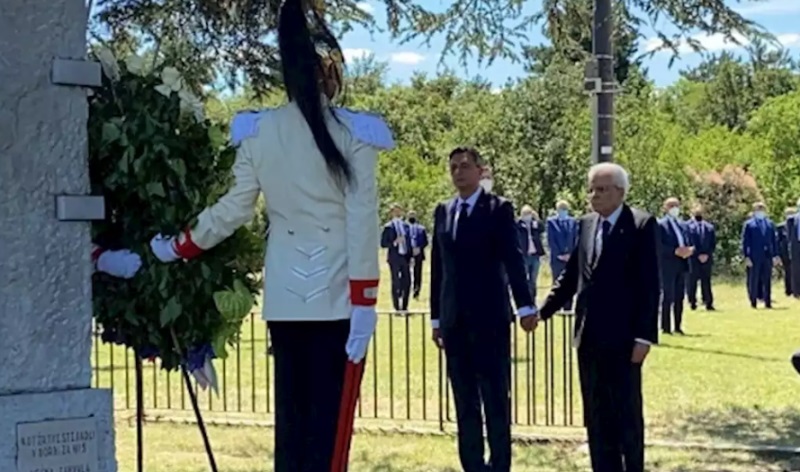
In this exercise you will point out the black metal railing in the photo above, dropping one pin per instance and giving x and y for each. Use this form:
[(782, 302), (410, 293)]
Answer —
[(404, 381)]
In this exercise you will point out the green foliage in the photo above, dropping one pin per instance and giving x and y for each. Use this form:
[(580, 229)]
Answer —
[(157, 167)]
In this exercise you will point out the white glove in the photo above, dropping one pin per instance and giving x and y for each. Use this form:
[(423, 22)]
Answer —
[(123, 263), (362, 327), (164, 248)]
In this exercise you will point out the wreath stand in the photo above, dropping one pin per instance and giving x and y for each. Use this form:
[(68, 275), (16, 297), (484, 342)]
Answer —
[(140, 415)]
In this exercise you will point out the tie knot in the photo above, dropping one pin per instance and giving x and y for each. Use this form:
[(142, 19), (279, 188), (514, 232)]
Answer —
[(606, 227), (464, 207)]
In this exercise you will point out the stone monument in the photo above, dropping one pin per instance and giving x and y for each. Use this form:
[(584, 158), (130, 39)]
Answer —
[(50, 418)]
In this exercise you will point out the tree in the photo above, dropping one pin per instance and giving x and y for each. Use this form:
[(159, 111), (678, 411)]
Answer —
[(229, 37)]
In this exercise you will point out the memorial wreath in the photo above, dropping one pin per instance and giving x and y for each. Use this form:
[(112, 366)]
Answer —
[(156, 159)]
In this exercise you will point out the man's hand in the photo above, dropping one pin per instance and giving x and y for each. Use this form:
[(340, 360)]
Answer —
[(703, 258), (640, 351), (415, 251), (164, 248), (563, 257), (777, 261), (529, 323), (684, 251), (748, 262), (436, 336)]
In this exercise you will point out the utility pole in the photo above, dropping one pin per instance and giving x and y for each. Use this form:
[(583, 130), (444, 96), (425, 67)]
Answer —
[(601, 83)]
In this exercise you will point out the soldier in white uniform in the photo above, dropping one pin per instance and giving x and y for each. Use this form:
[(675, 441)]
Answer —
[(316, 167)]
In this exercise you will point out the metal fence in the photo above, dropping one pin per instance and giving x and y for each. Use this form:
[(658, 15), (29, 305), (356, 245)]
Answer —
[(405, 379)]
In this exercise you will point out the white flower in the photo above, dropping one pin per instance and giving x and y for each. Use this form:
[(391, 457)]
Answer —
[(164, 90), (109, 63), (191, 104), (135, 64), (172, 78), (171, 81)]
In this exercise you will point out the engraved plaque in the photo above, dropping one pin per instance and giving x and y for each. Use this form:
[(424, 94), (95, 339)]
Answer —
[(57, 446)]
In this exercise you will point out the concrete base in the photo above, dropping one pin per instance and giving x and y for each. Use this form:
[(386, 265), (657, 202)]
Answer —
[(39, 408)]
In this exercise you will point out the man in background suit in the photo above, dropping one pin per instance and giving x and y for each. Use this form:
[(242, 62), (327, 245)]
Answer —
[(562, 232), (784, 249), (419, 242), (793, 233), (760, 250), (475, 256), (703, 238), (614, 272), (395, 238), (675, 251), (530, 231)]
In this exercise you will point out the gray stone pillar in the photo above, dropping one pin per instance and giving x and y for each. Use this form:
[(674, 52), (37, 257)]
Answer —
[(49, 416)]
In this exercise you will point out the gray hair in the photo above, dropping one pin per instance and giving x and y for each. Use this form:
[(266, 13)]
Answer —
[(619, 174)]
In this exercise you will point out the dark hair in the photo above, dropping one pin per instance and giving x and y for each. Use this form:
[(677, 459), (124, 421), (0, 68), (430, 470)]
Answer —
[(302, 67), (470, 151)]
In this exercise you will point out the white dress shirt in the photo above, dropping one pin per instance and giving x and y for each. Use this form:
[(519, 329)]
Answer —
[(470, 201), (399, 229), (673, 222)]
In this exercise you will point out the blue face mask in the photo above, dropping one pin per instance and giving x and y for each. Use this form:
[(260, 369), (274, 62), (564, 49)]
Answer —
[(563, 213), (760, 215)]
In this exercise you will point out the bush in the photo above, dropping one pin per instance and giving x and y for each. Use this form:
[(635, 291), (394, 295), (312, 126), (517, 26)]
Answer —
[(727, 197), (157, 161)]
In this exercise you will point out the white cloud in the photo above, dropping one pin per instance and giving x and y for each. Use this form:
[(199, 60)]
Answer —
[(353, 54), (718, 42), (770, 7), (365, 7), (407, 58)]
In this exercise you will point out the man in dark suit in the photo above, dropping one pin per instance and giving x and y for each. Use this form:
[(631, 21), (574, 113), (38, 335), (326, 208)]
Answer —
[(793, 235), (703, 238), (530, 231), (760, 250), (562, 232), (784, 249), (675, 252), (395, 238), (418, 236), (614, 272), (474, 248)]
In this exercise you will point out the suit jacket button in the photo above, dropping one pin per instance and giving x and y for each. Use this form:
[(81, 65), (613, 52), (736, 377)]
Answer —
[(291, 231), (326, 229)]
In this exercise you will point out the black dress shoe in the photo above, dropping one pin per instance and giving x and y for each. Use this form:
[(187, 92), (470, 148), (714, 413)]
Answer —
[(666, 331), (711, 308), (680, 331), (693, 306)]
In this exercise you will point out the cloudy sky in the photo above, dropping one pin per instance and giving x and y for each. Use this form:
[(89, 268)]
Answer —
[(780, 17)]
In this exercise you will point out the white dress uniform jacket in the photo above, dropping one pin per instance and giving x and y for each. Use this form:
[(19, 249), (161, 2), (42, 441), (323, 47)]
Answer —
[(322, 251)]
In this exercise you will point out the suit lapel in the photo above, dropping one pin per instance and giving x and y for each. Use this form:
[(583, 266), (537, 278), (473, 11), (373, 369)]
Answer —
[(589, 239), (450, 212)]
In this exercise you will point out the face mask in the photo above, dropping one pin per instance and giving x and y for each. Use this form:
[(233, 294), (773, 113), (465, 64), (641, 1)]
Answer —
[(674, 212), (563, 213), (760, 215), (487, 184), (527, 218), (412, 220), (698, 217)]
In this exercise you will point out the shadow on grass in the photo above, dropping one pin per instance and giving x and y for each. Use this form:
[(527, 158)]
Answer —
[(752, 426), (723, 353)]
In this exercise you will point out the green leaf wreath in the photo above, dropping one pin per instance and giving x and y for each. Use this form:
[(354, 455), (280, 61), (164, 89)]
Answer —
[(158, 162)]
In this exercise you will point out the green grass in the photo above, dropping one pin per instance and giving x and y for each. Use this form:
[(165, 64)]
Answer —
[(728, 380), (176, 448)]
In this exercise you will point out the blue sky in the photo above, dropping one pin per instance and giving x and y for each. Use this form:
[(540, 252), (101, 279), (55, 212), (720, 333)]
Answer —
[(780, 17)]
